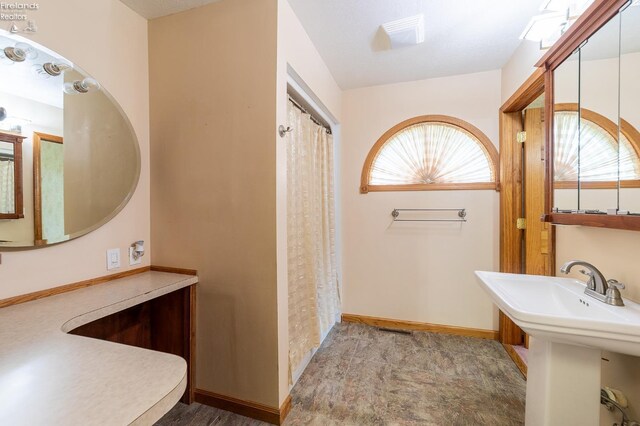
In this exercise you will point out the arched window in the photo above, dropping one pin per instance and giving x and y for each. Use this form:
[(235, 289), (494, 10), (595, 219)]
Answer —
[(431, 152), (598, 150)]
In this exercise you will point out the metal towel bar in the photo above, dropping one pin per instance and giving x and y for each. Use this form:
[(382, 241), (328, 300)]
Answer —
[(462, 214)]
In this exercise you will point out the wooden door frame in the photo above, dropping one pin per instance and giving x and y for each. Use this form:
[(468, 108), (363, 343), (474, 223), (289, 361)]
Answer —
[(511, 190), (38, 137)]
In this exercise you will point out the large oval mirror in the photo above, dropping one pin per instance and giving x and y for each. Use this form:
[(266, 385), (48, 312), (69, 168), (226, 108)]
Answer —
[(69, 158)]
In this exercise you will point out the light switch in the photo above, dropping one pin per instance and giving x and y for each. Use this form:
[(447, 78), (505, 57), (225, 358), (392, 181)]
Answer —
[(113, 258)]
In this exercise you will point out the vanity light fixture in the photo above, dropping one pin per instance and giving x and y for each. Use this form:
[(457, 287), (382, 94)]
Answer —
[(86, 85), (573, 8), (556, 18), (50, 69), (20, 52), (15, 54)]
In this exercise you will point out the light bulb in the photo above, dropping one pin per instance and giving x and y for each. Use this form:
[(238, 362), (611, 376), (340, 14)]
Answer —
[(14, 54), (81, 86), (50, 69), (29, 51)]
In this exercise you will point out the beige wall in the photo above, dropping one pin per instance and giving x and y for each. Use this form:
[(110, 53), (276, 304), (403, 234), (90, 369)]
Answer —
[(612, 251), (213, 150), (417, 271), (295, 51), (519, 67), (92, 35)]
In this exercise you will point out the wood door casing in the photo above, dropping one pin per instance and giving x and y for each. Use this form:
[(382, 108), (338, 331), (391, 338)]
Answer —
[(537, 233), (510, 210)]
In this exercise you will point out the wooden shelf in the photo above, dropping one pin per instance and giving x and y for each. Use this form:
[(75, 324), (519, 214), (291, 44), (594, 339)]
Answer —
[(627, 222)]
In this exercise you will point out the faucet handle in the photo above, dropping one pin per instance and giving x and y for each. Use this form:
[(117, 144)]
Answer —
[(615, 284), (613, 296)]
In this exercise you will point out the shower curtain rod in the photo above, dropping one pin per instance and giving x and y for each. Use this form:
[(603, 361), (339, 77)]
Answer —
[(315, 120)]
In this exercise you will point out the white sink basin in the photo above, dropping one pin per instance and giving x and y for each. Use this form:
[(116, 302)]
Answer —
[(557, 310), (569, 329)]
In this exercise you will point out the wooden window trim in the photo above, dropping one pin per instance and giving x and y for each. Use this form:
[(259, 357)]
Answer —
[(607, 184), (631, 133), (16, 140), (473, 131), (38, 137)]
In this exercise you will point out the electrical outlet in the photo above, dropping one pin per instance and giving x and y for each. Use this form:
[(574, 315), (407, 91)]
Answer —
[(132, 259), (113, 259)]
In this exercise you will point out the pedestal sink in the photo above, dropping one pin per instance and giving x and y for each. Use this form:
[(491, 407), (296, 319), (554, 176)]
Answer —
[(569, 330)]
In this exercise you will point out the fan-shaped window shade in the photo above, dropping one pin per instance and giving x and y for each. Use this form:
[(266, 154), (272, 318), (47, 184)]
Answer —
[(431, 153), (598, 150)]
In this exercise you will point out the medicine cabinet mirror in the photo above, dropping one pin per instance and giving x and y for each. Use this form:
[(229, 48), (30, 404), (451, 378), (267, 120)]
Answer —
[(596, 117), (73, 154)]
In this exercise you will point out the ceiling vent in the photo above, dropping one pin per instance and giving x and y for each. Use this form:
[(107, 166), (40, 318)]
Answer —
[(405, 32)]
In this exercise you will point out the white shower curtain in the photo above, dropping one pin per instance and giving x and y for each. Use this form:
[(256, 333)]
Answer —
[(6, 187), (314, 301)]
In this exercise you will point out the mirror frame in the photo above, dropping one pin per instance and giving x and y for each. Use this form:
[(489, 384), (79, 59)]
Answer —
[(596, 16), (16, 141)]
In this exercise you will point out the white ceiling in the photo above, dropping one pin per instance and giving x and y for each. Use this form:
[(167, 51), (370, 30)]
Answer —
[(151, 9), (461, 36)]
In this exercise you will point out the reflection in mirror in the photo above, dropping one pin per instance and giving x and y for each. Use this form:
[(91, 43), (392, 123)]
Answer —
[(598, 165), (7, 181), (630, 109), (81, 156), (48, 187), (11, 194), (566, 132)]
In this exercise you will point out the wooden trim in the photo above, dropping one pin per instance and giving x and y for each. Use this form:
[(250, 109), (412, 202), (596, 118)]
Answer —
[(285, 408), (635, 183), (433, 187), (191, 324), (515, 357), (476, 133), (549, 120), (511, 174), (629, 222), (588, 23), (38, 137), (420, 326), (528, 92), (626, 128), (243, 407), (15, 300), (18, 194), (173, 270), (511, 195), (48, 137)]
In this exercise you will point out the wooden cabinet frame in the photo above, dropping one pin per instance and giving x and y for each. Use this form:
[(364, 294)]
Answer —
[(598, 14), (16, 140)]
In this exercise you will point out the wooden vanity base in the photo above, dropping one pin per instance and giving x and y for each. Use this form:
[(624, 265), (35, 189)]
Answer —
[(164, 324)]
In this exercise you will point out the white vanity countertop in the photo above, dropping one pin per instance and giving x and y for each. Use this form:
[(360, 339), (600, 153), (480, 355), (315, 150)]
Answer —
[(49, 377)]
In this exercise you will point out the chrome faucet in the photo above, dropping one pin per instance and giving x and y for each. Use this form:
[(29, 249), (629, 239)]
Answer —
[(597, 286)]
